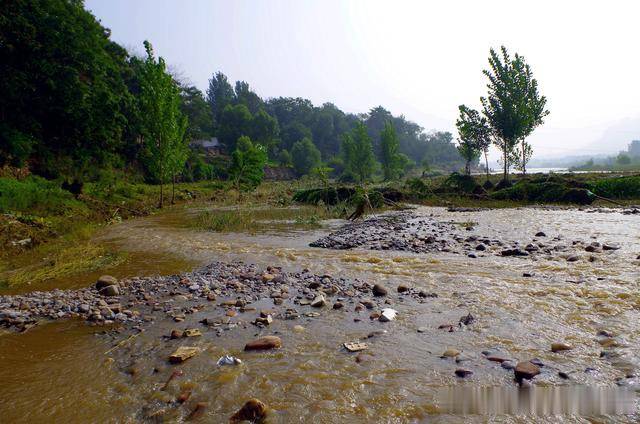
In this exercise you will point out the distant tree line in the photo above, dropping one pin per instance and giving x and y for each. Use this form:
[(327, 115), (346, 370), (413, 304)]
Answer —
[(75, 105)]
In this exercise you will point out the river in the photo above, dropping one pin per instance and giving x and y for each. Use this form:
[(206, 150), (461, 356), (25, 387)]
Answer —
[(61, 372)]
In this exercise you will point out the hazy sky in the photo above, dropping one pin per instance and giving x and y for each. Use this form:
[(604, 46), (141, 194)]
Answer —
[(417, 58)]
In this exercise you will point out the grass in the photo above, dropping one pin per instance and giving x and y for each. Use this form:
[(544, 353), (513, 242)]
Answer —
[(260, 219), (66, 256)]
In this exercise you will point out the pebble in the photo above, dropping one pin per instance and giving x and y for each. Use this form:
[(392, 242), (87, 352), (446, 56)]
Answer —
[(462, 373), (559, 347), (450, 353), (319, 301)]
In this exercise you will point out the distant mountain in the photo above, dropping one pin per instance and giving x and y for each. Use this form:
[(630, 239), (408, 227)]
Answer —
[(617, 136)]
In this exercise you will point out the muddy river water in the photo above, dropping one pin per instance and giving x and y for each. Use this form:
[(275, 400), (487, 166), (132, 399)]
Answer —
[(65, 371)]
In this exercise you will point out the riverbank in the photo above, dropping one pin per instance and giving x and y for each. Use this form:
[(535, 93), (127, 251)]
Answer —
[(46, 233)]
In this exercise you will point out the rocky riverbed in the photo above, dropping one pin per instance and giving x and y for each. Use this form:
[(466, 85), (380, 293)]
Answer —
[(362, 335), (412, 232)]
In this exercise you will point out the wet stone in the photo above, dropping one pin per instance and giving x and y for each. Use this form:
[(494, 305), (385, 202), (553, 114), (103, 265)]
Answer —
[(462, 373), (379, 290), (264, 343), (526, 370)]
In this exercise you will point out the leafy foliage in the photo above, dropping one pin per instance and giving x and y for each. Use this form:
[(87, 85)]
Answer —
[(513, 107), (390, 157), (247, 164), (305, 156), (164, 125), (357, 153), (475, 136)]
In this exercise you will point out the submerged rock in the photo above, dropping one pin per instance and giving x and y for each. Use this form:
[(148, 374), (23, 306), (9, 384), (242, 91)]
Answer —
[(253, 410), (264, 343), (462, 373), (183, 353)]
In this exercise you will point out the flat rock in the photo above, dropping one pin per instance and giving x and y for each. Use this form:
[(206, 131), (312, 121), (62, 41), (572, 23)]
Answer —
[(387, 315), (526, 370), (183, 353), (264, 343)]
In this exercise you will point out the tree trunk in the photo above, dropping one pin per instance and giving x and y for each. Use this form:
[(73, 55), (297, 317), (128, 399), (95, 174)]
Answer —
[(161, 194), (467, 167), (486, 164), (506, 163), (173, 189), (524, 160)]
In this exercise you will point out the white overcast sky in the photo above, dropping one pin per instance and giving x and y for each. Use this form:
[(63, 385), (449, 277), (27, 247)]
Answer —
[(417, 58)]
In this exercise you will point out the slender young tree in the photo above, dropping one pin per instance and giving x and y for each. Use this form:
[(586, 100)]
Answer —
[(357, 151), (247, 164), (513, 107), (475, 136), (163, 124), (390, 157)]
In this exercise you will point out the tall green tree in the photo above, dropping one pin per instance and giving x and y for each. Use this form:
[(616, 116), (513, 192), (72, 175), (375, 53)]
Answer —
[(305, 156), (357, 151), (513, 106), (62, 94), (220, 94), (247, 165), (390, 157), (164, 125), (474, 136), (265, 131), (198, 113), (235, 122)]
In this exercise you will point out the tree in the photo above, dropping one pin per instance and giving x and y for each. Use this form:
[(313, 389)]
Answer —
[(294, 132), (390, 157), (284, 158), (235, 121), (163, 123), (305, 156), (220, 94), (63, 97), (513, 107), (475, 136), (357, 152), (245, 96), (265, 130), (623, 159), (247, 164), (195, 108)]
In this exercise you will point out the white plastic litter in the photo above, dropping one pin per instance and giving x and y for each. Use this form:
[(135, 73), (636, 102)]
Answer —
[(388, 314), (228, 360)]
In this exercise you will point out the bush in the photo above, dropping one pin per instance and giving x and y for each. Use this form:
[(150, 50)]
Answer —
[(36, 196), (546, 189), (618, 188)]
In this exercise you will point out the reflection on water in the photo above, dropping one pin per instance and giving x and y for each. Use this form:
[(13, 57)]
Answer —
[(404, 380)]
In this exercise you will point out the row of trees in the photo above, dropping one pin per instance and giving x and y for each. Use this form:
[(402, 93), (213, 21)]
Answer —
[(75, 104), (512, 109)]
